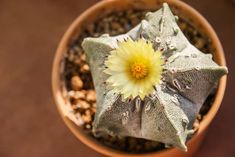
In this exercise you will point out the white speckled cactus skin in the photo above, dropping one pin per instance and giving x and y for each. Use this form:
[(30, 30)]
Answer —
[(168, 114)]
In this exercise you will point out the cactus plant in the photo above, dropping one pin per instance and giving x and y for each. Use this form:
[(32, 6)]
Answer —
[(183, 78)]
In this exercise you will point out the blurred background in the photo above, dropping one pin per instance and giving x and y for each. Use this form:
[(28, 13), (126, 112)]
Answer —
[(30, 31)]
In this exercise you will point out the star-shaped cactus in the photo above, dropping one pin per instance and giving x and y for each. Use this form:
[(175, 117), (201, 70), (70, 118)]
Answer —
[(169, 111)]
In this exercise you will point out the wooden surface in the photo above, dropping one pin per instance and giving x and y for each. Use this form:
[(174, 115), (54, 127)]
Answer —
[(29, 34)]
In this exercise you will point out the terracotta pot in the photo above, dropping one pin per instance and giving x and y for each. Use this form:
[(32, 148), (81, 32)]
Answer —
[(101, 8)]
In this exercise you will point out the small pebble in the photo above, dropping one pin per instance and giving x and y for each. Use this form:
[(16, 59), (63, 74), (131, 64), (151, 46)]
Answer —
[(115, 25), (83, 57), (83, 104), (88, 126), (183, 26), (74, 107), (112, 139), (199, 117), (155, 144), (78, 61), (71, 57), (76, 49), (94, 105), (148, 145), (134, 19), (132, 143), (90, 28), (71, 93), (87, 116), (200, 43), (138, 147), (93, 109), (85, 68), (91, 96), (79, 95), (76, 83)]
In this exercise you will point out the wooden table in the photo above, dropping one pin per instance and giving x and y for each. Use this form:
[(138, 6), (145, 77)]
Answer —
[(29, 34)]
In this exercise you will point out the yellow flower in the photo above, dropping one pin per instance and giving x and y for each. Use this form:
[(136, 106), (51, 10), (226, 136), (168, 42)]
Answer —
[(134, 68)]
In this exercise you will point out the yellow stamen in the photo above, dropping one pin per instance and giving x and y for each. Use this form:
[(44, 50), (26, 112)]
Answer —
[(139, 70)]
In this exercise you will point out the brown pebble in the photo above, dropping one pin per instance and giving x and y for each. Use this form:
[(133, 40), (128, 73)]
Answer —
[(183, 26), (71, 57), (106, 27), (78, 115), (113, 32), (121, 142), (120, 30), (74, 107), (91, 96), (200, 43), (132, 143), (94, 105), (83, 57), (148, 145), (115, 25), (138, 147), (85, 68), (87, 126), (112, 139), (76, 83), (90, 28), (155, 144), (83, 104), (71, 93), (123, 21), (96, 35), (93, 109), (77, 49), (134, 20), (199, 117), (78, 61), (79, 95), (87, 117)]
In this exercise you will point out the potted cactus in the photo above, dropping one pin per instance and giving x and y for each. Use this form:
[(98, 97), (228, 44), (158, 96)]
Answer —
[(150, 83)]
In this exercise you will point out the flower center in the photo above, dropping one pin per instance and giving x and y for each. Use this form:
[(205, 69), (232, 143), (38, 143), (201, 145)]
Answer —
[(139, 70)]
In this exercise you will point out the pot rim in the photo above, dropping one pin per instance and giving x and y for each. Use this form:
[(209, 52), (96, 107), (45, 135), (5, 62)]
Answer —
[(56, 80)]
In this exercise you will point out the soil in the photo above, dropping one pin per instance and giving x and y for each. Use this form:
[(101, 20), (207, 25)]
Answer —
[(78, 79)]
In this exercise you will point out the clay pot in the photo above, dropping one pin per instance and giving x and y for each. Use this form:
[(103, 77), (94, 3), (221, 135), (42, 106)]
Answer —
[(90, 15)]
